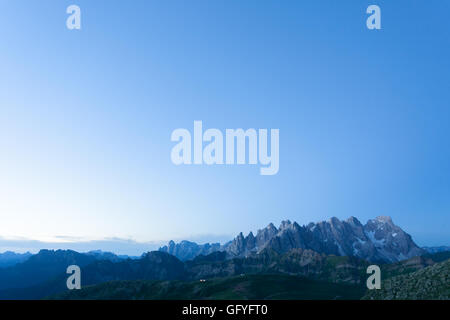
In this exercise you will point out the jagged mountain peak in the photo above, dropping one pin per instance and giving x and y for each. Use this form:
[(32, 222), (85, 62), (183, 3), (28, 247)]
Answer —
[(187, 250), (334, 220), (288, 225), (270, 229), (378, 240), (354, 221), (285, 224), (384, 219), (382, 222), (271, 226)]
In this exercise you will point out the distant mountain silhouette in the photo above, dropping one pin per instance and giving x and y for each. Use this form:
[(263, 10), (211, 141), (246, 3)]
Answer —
[(9, 258), (46, 264), (436, 249), (40, 267), (152, 266)]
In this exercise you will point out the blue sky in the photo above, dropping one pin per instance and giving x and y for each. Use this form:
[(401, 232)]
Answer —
[(86, 116)]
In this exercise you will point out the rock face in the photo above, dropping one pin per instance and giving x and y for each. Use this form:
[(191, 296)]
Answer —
[(378, 240), (186, 250), (391, 242), (300, 262)]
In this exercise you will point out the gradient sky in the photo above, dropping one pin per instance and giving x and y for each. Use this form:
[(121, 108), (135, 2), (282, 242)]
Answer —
[(86, 116)]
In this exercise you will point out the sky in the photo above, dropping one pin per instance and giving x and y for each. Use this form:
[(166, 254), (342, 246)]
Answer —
[(86, 117)]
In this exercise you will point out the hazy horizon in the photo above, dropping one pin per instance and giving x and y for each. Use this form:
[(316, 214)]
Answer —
[(129, 246)]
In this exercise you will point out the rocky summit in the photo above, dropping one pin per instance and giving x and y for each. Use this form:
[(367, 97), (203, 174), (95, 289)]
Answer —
[(379, 240)]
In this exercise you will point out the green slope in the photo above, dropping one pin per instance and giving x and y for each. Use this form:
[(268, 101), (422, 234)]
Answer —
[(430, 283), (238, 287)]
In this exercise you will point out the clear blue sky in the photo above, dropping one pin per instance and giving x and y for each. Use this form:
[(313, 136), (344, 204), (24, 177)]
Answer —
[(86, 116)]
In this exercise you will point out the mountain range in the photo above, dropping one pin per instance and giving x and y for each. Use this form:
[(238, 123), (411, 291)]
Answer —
[(324, 260), (379, 240)]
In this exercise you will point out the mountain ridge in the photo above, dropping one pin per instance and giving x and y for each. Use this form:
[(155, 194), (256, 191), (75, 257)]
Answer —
[(10, 258), (379, 240), (161, 266)]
